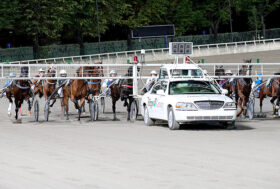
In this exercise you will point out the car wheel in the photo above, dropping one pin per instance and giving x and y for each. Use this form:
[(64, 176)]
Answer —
[(148, 121), (229, 125), (172, 123)]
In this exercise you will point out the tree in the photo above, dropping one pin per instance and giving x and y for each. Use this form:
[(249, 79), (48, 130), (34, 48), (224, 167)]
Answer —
[(41, 19), (82, 18), (8, 14), (257, 11), (215, 12)]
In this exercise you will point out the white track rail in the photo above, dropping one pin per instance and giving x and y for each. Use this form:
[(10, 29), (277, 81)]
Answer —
[(162, 53)]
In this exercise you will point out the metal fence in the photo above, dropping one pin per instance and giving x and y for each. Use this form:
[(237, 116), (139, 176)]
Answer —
[(26, 53)]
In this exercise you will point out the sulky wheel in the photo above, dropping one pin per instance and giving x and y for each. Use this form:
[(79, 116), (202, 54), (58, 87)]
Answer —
[(102, 104), (134, 110), (36, 110), (47, 110)]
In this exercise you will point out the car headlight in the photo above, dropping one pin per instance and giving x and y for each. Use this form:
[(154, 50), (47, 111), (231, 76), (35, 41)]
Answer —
[(184, 106), (229, 105)]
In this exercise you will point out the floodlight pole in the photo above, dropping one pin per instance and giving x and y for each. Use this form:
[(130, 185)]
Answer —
[(98, 26)]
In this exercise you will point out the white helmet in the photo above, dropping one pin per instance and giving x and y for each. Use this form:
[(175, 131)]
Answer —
[(62, 72), (41, 70), (153, 72), (113, 72), (12, 74), (228, 72)]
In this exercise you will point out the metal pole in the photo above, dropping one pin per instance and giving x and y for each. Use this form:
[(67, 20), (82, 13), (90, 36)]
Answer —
[(230, 20), (98, 26)]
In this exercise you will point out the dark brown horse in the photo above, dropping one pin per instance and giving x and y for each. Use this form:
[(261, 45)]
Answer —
[(272, 91), (94, 85), (242, 89), (115, 95), (126, 91)]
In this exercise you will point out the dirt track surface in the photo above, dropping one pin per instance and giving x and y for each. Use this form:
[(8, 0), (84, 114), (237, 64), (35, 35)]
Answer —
[(120, 154)]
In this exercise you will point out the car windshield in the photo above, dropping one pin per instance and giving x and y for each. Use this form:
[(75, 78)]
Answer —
[(192, 87), (186, 73)]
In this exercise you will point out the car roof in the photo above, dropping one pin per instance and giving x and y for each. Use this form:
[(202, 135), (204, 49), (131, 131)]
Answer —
[(187, 79), (181, 66)]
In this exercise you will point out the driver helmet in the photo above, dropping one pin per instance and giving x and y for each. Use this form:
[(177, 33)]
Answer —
[(153, 72), (228, 72), (113, 72), (41, 70), (63, 73), (259, 76), (12, 74)]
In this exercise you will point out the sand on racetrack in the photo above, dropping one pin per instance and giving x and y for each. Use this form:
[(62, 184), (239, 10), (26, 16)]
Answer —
[(121, 154)]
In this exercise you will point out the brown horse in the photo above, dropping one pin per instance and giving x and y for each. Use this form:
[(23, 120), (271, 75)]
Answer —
[(49, 86), (20, 91), (272, 91), (78, 90), (64, 84), (82, 89), (242, 89)]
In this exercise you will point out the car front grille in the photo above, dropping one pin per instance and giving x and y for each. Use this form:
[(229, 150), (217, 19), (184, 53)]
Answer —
[(209, 105), (214, 118)]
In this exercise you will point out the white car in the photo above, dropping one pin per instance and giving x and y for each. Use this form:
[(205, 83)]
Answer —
[(180, 101)]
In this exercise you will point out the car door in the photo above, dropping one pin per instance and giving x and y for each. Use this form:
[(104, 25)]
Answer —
[(152, 100), (160, 100)]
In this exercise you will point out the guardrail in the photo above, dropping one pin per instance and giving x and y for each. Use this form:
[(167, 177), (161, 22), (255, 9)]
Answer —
[(131, 54)]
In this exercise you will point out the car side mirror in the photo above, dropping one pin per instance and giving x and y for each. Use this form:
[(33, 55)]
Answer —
[(205, 72), (224, 91), (160, 92)]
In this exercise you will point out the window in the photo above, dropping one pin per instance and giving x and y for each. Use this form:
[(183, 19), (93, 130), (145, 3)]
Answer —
[(186, 73), (163, 74), (162, 85), (192, 87)]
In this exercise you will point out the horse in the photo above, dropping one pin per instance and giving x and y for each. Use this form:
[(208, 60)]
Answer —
[(20, 90), (242, 89), (64, 84), (82, 89), (126, 90), (115, 95), (49, 86), (272, 91)]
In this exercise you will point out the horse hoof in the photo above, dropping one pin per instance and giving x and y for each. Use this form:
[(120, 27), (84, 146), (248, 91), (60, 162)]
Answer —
[(17, 121), (276, 107), (275, 116)]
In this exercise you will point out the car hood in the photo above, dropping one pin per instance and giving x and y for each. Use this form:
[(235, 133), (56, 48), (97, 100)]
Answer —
[(201, 97)]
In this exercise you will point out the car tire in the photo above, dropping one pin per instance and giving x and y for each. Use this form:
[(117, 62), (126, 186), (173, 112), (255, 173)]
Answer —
[(147, 120), (229, 125), (172, 123)]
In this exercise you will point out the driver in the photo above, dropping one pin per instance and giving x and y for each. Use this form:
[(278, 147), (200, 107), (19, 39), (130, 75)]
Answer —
[(151, 81), (7, 84), (224, 81), (257, 83), (62, 73), (108, 82)]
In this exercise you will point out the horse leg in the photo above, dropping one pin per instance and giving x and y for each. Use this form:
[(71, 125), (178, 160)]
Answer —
[(29, 107), (62, 106), (10, 107), (66, 106), (114, 108), (82, 103), (272, 102), (54, 100), (128, 108), (239, 104), (261, 103)]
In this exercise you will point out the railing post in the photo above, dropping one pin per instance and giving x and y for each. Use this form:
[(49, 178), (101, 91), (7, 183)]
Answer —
[(135, 81), (2, 71)]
